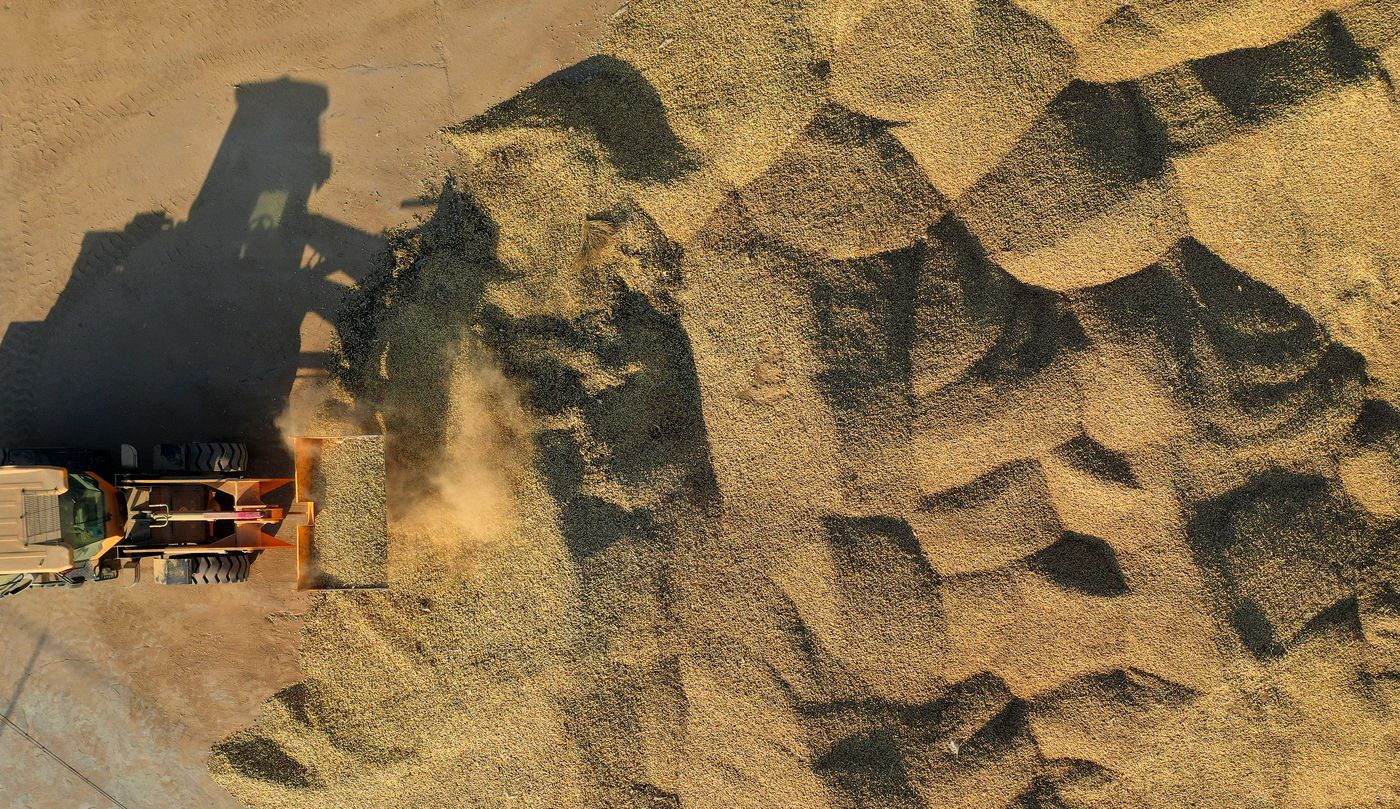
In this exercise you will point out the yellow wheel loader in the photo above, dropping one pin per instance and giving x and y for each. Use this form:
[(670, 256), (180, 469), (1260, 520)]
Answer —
[(68, 517)]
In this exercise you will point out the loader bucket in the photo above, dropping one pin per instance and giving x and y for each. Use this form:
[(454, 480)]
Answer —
[(343, 539)]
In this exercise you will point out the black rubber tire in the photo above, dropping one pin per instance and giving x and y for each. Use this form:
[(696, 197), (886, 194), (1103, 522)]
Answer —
[(220, 458), (15, 584), (220, 568)]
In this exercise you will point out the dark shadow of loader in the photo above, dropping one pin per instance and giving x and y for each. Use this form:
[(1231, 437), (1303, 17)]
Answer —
[(174, 331)]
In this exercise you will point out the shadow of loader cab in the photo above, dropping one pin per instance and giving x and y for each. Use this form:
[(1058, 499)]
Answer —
[(191, 330)]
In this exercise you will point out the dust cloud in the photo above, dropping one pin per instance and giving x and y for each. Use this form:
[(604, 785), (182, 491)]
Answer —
[(471, 492)]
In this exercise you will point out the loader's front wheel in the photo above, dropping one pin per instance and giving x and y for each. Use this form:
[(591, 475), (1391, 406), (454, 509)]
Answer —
[(14, 584), (205, 568), (216, 458)]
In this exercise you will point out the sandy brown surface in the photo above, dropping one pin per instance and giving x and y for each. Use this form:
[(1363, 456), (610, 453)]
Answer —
[(151, 292), (886, 404)]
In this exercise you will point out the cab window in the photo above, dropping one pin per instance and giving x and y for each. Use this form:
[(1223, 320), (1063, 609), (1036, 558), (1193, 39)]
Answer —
[(83, 509)]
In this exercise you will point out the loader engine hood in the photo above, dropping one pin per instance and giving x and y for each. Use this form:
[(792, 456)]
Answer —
[(31, 520)]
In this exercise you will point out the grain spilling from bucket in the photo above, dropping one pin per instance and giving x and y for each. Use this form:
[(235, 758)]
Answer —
[(351, 545)]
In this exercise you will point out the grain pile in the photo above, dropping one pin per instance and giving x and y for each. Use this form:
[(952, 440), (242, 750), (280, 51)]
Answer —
[(887, 404)]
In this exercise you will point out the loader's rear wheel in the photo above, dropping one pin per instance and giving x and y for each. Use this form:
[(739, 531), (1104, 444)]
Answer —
[(74, 460), (14, 584), (217, 568)]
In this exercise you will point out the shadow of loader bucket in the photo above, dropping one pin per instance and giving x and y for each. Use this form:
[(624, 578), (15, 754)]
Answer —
[(342, 530)]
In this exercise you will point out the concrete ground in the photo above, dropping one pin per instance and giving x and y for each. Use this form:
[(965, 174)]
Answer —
[(185, 194)]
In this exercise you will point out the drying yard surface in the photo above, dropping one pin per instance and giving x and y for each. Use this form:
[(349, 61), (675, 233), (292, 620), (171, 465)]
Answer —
[(888, 404)]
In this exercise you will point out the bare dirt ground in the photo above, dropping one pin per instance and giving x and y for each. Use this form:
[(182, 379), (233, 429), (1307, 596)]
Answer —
[(187, 190)]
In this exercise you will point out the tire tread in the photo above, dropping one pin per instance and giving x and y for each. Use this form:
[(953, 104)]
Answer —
[(219, 568)]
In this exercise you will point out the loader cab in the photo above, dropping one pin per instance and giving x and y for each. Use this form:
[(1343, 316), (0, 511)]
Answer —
[(53, 520), (90, 513)]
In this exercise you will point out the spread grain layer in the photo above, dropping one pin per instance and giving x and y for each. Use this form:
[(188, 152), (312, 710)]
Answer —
[(886, 403)]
